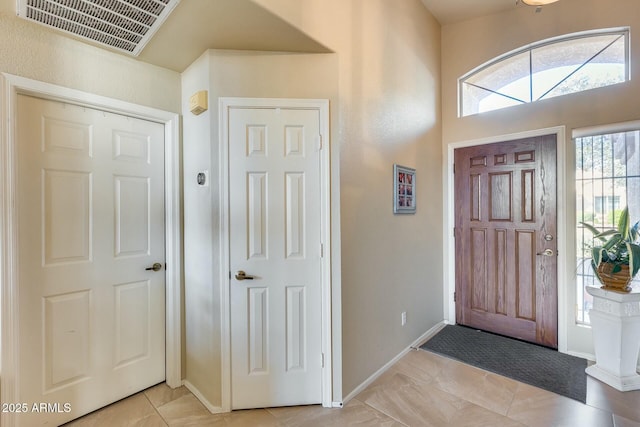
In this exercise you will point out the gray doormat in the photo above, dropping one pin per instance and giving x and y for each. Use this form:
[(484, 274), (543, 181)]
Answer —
[(529, 363)]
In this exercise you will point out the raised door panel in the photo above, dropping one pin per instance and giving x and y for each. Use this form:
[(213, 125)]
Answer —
[(256, 141), (67, 339), (528, 197), (131, 147), (296, 341), (67, 216), (500, 277), (478, 271), (132, 216), (257, 215), (475, 197), (132, 314), (258, 330), (294, 141), (500, 196), (295, 215), (67, 137), (525, 259)]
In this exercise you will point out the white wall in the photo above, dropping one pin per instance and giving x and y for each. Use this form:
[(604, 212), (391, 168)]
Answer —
[(471, 43), (201, 315), (226, 74), (389, 112), (33, 51)]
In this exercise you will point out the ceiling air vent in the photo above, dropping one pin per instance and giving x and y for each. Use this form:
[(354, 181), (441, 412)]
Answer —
[(124, 25)]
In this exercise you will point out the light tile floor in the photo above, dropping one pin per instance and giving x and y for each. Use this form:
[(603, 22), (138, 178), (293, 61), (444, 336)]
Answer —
[(422, 389)]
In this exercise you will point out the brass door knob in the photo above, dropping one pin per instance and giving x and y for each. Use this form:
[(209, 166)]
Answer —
[(241, 275), (155, 267), (546, 252)]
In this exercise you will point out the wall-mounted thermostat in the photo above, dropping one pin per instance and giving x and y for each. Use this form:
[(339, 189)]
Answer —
[(199, 102)]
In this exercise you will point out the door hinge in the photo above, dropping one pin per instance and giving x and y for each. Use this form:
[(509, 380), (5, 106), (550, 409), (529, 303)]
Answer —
[(455, 299), (321, 250), (454, 168), (322, 360), (454, 232), (229, 274), (320, 144)]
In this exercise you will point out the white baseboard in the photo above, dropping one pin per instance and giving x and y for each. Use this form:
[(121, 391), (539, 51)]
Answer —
[(429, 334), (592, 358), (417, 343), (211, 408), (587, 356)]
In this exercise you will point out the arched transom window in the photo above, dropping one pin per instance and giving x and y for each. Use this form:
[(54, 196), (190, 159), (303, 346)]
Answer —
[(553, 67)]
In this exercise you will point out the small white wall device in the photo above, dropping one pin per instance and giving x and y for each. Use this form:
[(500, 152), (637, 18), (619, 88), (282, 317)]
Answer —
[(199, 102)]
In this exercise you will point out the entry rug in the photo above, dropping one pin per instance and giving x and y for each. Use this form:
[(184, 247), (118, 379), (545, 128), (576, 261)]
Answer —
[(528, 363)]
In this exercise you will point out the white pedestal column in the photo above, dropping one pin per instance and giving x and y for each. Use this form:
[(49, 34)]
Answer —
[(615, 322)]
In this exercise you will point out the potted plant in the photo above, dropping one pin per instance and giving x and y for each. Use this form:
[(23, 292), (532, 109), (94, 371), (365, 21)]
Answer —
[(617, 260)]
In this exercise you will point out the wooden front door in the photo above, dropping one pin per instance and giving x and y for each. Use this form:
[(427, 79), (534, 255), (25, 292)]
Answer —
[(505, 231)]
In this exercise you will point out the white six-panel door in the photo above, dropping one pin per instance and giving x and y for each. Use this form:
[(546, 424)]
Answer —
[(275, 239), (91, 219)]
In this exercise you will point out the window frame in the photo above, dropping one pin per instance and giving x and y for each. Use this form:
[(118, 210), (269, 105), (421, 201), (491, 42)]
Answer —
[(579, 317), (623, 31)]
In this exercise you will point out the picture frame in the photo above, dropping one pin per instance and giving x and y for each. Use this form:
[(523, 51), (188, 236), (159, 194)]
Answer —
[(404, 190)]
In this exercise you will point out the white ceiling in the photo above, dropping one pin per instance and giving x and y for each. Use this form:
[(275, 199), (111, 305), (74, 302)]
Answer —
[(197, 25), (451, 11)]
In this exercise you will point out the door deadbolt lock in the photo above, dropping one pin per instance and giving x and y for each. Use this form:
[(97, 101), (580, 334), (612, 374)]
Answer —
[(155, 267), (548, 237)]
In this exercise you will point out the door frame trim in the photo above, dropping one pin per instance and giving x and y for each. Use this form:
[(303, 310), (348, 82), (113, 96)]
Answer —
[(322, 106), (564, 270), (10, 87)]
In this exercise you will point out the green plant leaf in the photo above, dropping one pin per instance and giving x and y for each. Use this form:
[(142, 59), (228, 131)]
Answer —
[(634, 232), (623, 223), (596, 255), (595, 231), (634, 258), (606, 233), (613, 241)]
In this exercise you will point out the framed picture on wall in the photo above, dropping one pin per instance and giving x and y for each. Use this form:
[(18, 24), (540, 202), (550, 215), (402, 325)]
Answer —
[(404, 190)]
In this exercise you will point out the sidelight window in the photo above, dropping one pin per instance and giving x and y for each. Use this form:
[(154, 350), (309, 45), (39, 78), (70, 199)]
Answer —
[(607, 180), (554, 67)]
